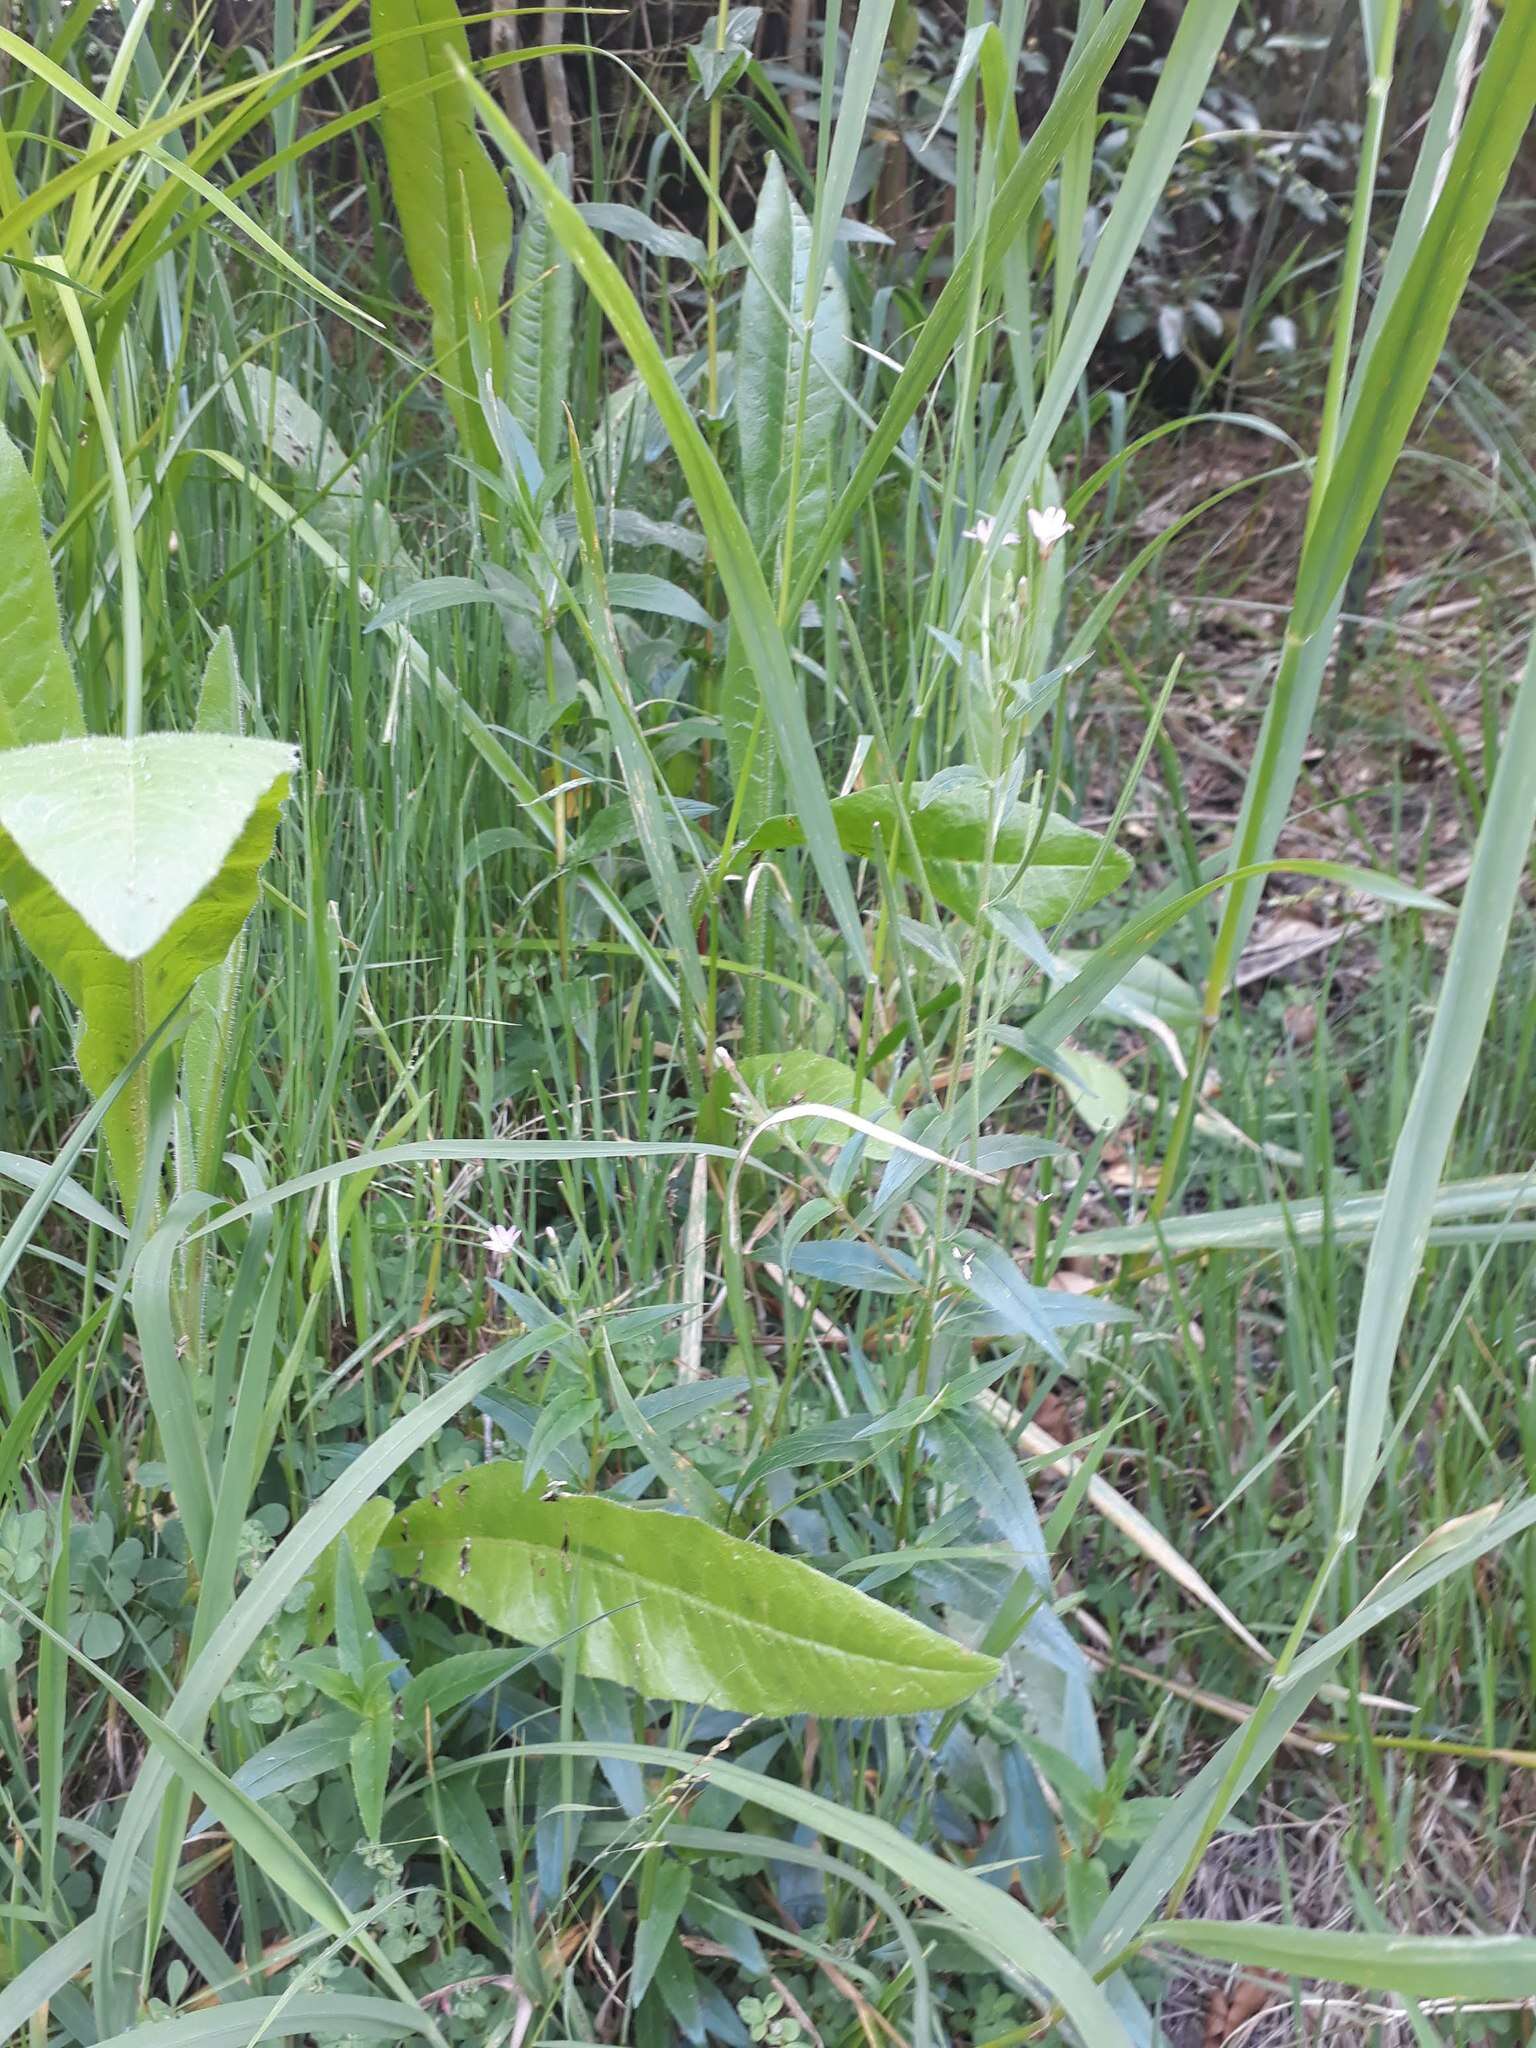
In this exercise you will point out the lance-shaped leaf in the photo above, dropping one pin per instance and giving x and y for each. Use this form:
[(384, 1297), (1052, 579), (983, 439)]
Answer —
[(540, 323), (672, 1607), (38, 700), (1043, 866), (788, 408), (129, 867), (453, 208)]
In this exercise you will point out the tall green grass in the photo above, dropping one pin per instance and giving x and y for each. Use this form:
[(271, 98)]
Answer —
[(683, 1026)]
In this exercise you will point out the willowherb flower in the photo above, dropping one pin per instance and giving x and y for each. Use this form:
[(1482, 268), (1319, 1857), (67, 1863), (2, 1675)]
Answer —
[(1048, 526), (982, 531)]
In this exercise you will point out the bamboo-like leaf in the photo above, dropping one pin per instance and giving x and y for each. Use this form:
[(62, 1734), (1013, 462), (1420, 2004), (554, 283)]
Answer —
[(38, 699), (672, 1607)]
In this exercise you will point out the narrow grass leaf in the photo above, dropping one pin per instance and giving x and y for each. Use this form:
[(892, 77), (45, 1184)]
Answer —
[(1418, 1160), (1493, 1967)]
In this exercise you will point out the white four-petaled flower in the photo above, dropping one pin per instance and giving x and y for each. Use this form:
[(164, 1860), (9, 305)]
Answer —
[(501, 1240)]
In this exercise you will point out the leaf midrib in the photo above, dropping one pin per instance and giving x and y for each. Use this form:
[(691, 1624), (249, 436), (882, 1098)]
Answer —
[(606, 1562)]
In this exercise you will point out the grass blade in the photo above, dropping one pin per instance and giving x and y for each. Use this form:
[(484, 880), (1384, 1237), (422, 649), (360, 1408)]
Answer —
[(1418, 1160)]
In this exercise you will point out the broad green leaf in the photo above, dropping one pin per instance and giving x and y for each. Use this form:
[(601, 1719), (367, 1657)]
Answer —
[(129, 867), (721, 54), (454, 213), (629, 224), (1097, 1091), (672, 1607), (363, 1535), (286, 425), (1068, 868), (850, 1262), (642, 593), (456, 1681), (314, 1749), (539, 322), (1412, 1966), (280, 422), (38, 699), (766, 346)]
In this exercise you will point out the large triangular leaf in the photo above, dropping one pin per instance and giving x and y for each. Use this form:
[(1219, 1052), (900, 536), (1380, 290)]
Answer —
[(672, 1607), (129, 867), (131, 833), (38, 699)]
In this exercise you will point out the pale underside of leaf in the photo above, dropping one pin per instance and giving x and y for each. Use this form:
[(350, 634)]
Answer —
[(129, 833)]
